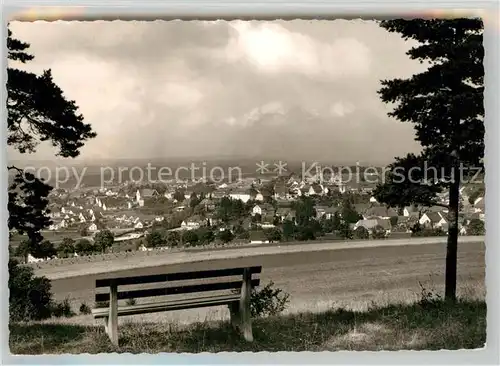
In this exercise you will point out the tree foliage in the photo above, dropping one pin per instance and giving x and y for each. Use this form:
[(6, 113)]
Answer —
[(304, 211), (103, 240), (173, 238), (84, 247), (30, 297), (37, 112), (445, 106), (225, 236), (273, 235), (361, 233), (206, 235), (155, 239), (230, 209), (349, 214), (378, 232), (476, 227), (190, 238), (66, 248)]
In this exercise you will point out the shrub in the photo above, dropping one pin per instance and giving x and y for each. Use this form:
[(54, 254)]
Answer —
[(101, 304), (85, 309), (30, 297), (378, 232), (268, 301), (429, 298), (63, 308), (130, 302), (361, 233)]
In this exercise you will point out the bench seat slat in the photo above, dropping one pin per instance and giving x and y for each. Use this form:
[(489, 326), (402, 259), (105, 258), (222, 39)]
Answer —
[(169, 305), (218, 286), (180, 276)]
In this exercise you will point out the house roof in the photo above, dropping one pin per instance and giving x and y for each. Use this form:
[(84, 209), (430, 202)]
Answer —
[(368, 224), (195, 219), (282, 211), (434, 217), (385, 223), (147, 192), (403, 219), (265, 206), (479, 203), (280, 189), (433, 209), (380, 211), (331, 210), (320, 208), (411, 208), (317, 188), (267, 218), (371, 223), (361, 207)]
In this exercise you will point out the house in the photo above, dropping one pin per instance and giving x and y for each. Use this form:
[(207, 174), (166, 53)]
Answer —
[(32, 259), (59, 225), (92, 227), (111, 203), (208, 204), (462, 231), (325, 212), (370, 224), (139, 225), (267, 221), (380, 212), (410, 211), (262, 209), (479, 205), (169, 194), (240, 195), (317, 189), (373, 199), (194, 222), (433, 220), (211, 220), (283, 212), (144, 194), (361, 207), (258, 237), (281, 191)]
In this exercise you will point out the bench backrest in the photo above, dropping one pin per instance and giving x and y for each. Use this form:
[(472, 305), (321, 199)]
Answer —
[(223, 283)]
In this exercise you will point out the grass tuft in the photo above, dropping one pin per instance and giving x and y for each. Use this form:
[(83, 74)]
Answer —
[(441, 325)]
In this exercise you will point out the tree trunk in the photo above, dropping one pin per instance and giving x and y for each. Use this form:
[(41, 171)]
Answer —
[(451, 250)]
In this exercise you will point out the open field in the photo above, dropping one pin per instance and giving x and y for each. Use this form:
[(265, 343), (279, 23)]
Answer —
[(351, 277), (115, 262)]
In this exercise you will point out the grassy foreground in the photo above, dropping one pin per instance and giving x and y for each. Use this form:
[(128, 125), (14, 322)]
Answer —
[(437, 325)]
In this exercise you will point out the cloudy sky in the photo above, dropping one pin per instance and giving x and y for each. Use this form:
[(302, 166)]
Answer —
[(295, 90)]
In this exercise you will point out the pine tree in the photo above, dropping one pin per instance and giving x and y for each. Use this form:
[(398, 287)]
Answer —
[(445, 106), (37, 111)]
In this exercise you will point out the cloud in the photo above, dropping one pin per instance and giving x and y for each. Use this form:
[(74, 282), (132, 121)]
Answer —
[(272, 48), (173, 89)]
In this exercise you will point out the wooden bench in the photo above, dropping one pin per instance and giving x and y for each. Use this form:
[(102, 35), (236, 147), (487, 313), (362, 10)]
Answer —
[(237, 296)]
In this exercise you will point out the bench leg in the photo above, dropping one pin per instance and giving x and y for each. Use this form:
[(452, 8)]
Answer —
[(106, 322), (234, 312), (244, 306), (113, 315)]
